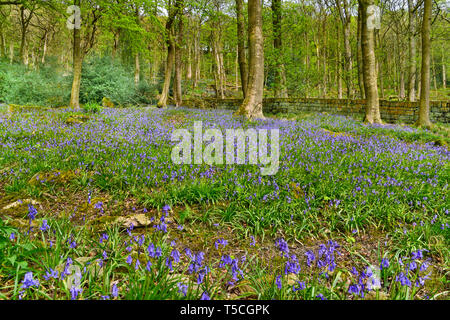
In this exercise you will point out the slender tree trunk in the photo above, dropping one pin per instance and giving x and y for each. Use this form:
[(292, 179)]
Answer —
[(424, 105), (44, 50), (359, 56), (77, 66), (178, 64), (444, 71), (2, 45), (369, 66), (137, 70), (252, 105), (173, 12), (11, 52), (412, 52), (280, 75), (241, 46)]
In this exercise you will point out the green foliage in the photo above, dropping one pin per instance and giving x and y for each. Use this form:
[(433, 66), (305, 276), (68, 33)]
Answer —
[(92, 107), (104, 77), (46, 86)]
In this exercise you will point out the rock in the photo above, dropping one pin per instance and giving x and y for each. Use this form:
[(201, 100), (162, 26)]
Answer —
[(292, 279), (18, 203), (138, 221), (77, 119), (107, 103)]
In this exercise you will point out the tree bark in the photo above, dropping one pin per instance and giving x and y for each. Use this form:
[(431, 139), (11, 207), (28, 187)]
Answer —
[(173, 12), (280, 75), (424, 105), (177, 90), (362, 94), (137, 70), (241, 46), (369, 66), (252, 105), (77, 67), (412, 52)]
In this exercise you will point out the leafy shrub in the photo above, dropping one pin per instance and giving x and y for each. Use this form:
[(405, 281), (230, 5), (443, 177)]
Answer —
[(44, 86), (105, 77), (49, 86), (92, 107)]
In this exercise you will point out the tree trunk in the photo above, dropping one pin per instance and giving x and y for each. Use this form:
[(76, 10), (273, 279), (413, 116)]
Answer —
[(362, 94), (241, 46), (280, 76), (444, 71), (173, 12), (369, 66), (44, 50), (252, 105), (137, 70), (177, 90), (424, 105), (412, 52), (77, 65)]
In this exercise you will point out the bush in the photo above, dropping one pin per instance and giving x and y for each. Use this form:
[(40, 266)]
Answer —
[(92, 107), (104, 77), (23, 86), (47, 86)]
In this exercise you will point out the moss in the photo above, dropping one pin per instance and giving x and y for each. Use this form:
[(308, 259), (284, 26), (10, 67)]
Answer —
[(54, 177)]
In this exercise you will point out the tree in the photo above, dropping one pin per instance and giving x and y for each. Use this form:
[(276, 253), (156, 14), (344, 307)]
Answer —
[(173, 11), (252, 105), (280, 75), (242, 59), (81, 46), (424, 104), (412, 51), (369, 63)]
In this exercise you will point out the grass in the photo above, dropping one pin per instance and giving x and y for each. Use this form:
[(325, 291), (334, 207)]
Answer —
[(348, 193)]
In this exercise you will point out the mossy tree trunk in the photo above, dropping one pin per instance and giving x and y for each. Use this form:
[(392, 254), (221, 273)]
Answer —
[(369, 65), (252, 105), (424, 105)]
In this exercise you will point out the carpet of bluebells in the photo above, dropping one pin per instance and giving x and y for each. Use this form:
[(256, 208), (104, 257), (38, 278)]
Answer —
[(354, 212)]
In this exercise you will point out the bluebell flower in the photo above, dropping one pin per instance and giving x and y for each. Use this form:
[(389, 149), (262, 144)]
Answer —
[(29, 281), (182, 288), (278, 282), (384, 264), (44, 226), (220, 241), (205, 296), (114, 291), (300, 286)]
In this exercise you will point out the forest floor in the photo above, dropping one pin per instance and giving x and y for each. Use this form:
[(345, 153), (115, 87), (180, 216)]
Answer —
[(92, 207)]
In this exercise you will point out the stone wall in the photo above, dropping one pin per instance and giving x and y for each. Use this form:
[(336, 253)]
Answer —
[(391, 111)]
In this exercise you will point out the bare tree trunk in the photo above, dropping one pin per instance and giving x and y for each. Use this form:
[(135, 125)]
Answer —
[(280, 75), (137, 70), (359, 56), (252, 105), (444, 71), (44, 50), (412, 52), (11, 52), (241, 46), (173, 12), (77, 65), (369, 66), (2, 45), (177, 90), (424, 108)]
